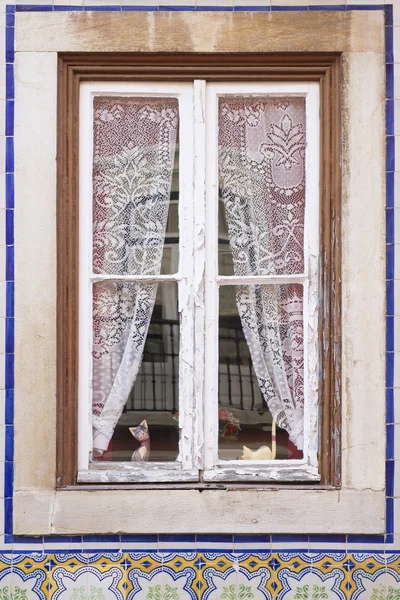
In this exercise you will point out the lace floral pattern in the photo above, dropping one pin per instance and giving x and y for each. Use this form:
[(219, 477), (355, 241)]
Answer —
[(262, 181), (134, 146)]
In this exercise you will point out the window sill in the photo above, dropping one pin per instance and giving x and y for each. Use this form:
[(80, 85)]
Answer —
[(248, 511), (276, 471)]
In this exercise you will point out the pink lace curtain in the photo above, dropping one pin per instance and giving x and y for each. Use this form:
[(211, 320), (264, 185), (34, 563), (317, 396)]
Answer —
[(262, 182), (134, 146)]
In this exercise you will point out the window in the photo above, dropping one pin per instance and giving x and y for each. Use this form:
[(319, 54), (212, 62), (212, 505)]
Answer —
[(351, 448), (227, 392)]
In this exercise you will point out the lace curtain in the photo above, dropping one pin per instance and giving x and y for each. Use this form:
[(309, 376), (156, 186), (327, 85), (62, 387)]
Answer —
[(134, 146), (262, 183)]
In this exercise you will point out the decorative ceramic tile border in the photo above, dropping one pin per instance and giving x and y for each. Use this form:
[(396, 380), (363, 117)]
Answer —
[(264, 570), (194, 575)]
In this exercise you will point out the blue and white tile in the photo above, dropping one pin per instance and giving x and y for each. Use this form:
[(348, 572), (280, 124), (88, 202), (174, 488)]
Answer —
[(162, 584), (377, 586), (17, 584), (87, 583), (236, 583), (310, 584)]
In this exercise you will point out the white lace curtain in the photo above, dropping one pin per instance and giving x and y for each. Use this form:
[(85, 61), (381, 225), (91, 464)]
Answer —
[(262, 183), (134, 146)]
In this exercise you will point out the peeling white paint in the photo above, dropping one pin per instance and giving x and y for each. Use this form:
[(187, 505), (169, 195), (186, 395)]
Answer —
[(297, 470), (184, 468)]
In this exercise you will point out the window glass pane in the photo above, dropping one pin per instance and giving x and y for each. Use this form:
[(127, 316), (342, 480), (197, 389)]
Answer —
[(261, 371), (135, 185), (122, 344), (262, 185)]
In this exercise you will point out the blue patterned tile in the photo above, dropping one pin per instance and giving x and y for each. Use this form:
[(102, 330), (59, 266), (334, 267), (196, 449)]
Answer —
[(390, 190), (389, 261), (389, 15), (62, 539), (389, 478), (365, 539), (9, 335), (218, 8), (8, 515), (10, 82), (323, 538), (28, 539), (328, 7), (365, 6), (288, 538), (207, 538), (112, 8), (389, 334), (390, 297), (101, 538), (390, 225), (8, 479), (10, 44), (33, 8), (9, 227), (9, 452), (389, 442), (9, 299), (389, 44), (63, 7), (10, 117), (390, 81), (10, 9), (389, 515), (252, 539), (9, 190), (140, 539), (9, 155), (9, 407), (389, 406), (289, 8), (176, 8), (390, 153), (140, 8), (389, 117), (9, 358), (257, 8), (184, 538), (9, 263)]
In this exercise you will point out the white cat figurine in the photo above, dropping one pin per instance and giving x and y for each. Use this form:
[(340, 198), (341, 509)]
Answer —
[(264, 452), (142, 435)]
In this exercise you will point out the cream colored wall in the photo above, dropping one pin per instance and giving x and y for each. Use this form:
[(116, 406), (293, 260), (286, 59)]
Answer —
[(360, 505)]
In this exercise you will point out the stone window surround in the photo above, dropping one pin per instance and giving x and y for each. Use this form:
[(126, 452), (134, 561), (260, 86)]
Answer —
[(358, 507)]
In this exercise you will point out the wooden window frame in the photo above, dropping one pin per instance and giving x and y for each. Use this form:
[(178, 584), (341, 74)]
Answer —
[(76, 68)]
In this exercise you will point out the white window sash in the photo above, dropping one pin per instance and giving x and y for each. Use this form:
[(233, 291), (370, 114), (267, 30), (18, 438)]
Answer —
[(305, 469), (198, 284), (185, 468)]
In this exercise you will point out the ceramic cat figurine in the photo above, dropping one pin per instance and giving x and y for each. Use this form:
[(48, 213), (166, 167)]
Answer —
[(141, 434), (264, 452)]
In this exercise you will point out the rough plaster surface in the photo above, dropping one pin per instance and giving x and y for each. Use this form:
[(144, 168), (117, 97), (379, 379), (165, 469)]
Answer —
[(350, 510), (189, 511), (200, 32), (35, 241), (363, 271)]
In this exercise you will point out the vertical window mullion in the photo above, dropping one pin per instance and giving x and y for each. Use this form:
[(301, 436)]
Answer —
[(199, 200), (211, 286), (85, 270), (310, 288), (185, 281)]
